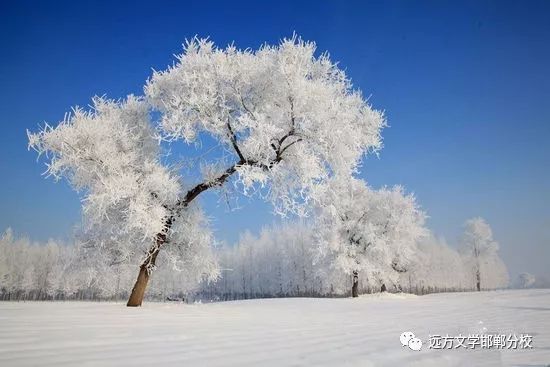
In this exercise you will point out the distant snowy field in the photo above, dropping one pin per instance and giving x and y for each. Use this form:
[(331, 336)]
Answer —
[(274, 332)]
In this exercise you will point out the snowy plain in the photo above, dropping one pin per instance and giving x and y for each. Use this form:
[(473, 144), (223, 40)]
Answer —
[(274, 332)]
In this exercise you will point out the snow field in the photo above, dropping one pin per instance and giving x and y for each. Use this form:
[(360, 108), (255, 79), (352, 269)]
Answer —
[(274, 332)]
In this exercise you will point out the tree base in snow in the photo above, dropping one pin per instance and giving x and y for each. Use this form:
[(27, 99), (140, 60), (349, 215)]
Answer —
[(138, 292)]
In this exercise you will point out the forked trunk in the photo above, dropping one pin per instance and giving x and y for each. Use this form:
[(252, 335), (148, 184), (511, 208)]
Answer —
[(355, 285), (136, 297)]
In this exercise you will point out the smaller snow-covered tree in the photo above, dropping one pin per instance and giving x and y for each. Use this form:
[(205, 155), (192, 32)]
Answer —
[(526, 280), (478, 246), (495, 272), (365, 230), (437, 266)]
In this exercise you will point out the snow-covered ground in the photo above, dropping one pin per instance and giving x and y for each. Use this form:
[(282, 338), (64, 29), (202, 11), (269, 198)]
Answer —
[(274, 332)]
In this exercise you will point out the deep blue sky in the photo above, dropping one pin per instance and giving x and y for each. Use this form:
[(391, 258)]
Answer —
[(465, 86)]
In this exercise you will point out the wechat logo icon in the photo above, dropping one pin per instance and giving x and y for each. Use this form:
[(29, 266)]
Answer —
[(408, 339)]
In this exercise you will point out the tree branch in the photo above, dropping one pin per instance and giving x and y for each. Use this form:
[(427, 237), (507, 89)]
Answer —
[(279, 150), (246, 108), (162, 237), (289, 145), (233, 139), (218, 181)]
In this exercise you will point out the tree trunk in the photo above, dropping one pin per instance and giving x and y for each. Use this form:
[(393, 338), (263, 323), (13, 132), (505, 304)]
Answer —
[(383, 288), (355, 284), (136, 297), (478, 281), (138, 292)]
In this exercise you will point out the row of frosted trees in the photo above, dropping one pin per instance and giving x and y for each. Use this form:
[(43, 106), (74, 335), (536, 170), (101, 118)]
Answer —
[(284, 261), (30, 270), (58, 271)]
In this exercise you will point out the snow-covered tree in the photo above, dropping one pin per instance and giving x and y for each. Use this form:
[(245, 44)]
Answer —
[(436, 266), (369, 231), (5, 266), (495, 272), (479, 248), (525, 280), (278, 262), (31, 270), (284, 121)]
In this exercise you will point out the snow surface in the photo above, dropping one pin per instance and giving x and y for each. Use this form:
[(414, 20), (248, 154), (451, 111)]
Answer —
[(274, 332)]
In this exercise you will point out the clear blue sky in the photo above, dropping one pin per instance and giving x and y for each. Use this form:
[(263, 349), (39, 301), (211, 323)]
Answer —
[(465, 86)]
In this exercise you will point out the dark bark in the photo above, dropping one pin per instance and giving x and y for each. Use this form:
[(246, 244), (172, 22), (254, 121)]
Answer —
[(383, 288), (478, 280), (136, 297), (195, 191), (355, 285)]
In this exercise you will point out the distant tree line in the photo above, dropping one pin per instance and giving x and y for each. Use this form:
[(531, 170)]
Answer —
[(283, 260)]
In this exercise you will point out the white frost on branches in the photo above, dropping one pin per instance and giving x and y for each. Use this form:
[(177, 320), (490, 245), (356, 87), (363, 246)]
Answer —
[(366, 230), (112, 156), (290, 118)]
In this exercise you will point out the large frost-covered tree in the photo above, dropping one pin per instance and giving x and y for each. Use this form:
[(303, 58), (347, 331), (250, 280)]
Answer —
[(479, 247), (366, 230), (285, 118)]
